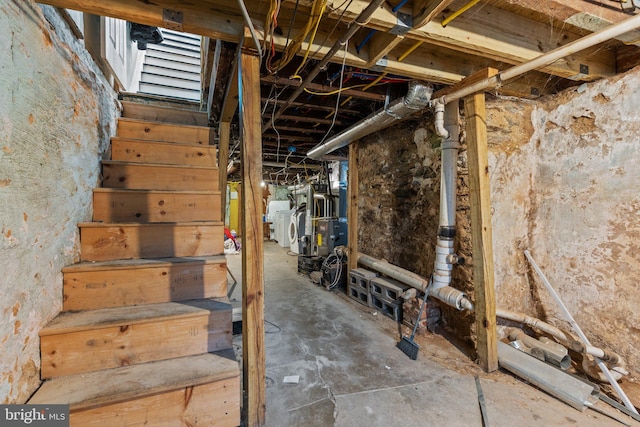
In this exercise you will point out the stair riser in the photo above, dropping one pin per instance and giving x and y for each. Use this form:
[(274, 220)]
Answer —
[(155, 207), (153, 113), (215, 404), (129, 344), (126, 242), (113, 288), (163, 132), (153, 177), (171, 154)]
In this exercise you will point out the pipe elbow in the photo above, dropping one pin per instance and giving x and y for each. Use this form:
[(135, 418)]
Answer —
[(441, 131)]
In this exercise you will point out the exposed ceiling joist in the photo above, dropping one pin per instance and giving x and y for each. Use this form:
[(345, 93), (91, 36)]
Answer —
[(325, 90)]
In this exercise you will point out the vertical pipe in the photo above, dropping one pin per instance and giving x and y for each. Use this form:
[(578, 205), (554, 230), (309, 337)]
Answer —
[(448, 180)]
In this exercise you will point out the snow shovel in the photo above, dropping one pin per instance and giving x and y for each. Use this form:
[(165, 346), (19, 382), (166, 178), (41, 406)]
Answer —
[(407, 345)]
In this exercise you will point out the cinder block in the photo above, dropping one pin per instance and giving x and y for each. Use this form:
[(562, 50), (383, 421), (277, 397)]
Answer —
[(360, 277), (388, 290), (393, 311), (357, 293)]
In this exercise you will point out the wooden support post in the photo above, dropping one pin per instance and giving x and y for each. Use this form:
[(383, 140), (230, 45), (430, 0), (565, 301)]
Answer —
[(253, 351), (352, 208), (224, 133), (481, 232)]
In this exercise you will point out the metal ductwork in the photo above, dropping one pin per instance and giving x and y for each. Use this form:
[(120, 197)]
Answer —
[(417, 98)]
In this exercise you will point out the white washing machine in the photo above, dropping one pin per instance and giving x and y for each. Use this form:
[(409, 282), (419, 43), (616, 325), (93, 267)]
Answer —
[(293, 233), (281, 228)]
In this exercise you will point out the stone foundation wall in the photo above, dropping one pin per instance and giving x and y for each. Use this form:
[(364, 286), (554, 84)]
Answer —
[(57, 113)]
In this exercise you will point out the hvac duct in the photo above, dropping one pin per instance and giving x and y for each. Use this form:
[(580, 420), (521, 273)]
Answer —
[(416, 99)]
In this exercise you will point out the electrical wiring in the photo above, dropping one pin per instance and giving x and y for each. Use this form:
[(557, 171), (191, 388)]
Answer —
[(324, 42), (310, 43), (335, 113), (333, 92), (334, 260), (296, 43)]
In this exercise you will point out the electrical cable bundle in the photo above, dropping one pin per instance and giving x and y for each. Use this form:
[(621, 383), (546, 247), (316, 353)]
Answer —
[(334, 260)]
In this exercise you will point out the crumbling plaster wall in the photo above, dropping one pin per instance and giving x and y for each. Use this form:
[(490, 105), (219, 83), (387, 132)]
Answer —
[(564, 184), (56, 114)]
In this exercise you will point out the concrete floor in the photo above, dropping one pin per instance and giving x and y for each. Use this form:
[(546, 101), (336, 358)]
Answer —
[(351, 374)]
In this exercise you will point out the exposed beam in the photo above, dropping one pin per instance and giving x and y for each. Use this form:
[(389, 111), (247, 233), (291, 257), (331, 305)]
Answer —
[(425, 11), (481, 232), (380, 45), (253, 350), (301, 130), (230, 104), (480, 75), (498, 34), (269, 136), (312, 106), (306, 119), (205, 17), (362, 18), (282, 81)]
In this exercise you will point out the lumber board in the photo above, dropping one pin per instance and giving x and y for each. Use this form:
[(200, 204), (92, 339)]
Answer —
[(122, 205), (91, 340), (476, 77), (253, 350), (207, 18), (145, 176), (116, 284), (215, 404), (223, 159), (158, 131), (481, 232), (111, 241), (108, 386), (352, 207), (157, 113), (172, 153)]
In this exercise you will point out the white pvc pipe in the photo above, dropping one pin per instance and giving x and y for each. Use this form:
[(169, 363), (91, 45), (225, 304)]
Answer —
[(545, 59), (439, 120), (581, 334)]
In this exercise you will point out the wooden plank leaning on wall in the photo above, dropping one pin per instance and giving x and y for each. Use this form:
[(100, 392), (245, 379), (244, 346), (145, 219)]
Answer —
[(253, 351), (352, 208), (481, 232)]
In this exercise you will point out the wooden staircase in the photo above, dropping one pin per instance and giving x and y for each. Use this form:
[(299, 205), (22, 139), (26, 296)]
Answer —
[(145, 333)]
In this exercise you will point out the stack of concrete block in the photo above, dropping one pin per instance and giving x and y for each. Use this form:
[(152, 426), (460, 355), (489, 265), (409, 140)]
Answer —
[(358, 287), (386, 296)]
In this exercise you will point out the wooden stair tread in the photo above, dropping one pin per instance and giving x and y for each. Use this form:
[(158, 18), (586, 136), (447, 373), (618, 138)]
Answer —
[(149, 122), (129, 264), (68, 322), (148, 224), (164, 165), (87, 390), (138, 191)]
